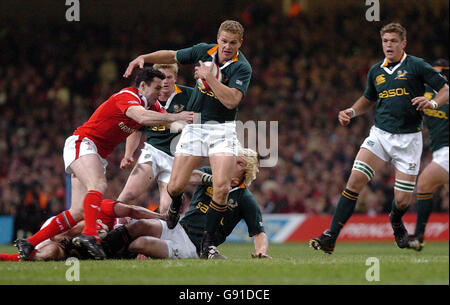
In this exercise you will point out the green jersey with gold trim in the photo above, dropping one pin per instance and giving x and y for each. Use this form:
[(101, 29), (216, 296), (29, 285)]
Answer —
[(394, 88), (437, 122), (241, 205), (236, 74), (160, 137)]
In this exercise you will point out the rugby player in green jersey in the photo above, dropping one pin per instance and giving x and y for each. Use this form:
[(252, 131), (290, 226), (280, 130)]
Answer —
[(395, 86), (154, 239), (436, 172), (214, 136), (156, 158)]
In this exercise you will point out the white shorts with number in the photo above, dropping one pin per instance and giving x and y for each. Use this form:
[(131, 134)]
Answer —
[(440, 157), (161, 162), (402, 150), (178, 242), (207, 139), (73, 149)]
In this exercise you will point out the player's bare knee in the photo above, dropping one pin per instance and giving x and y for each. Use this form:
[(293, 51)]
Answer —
[(402, 200), (76, 213), (137, 245)]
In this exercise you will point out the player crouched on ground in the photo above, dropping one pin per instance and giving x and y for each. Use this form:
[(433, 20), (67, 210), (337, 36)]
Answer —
[(152, 238)]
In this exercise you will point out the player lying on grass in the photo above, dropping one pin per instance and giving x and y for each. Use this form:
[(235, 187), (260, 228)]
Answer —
[(60, 247), (152, 238)]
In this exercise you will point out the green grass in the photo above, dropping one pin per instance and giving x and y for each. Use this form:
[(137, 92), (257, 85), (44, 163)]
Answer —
[(292, 263)]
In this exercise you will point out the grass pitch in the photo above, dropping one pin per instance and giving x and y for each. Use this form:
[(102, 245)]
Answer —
[(292, 264)]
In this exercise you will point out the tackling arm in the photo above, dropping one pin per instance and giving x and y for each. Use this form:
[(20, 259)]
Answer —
[(151, 118)]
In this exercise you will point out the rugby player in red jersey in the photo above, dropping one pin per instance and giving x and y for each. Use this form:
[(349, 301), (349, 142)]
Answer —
[(60, 247), (85, 154)]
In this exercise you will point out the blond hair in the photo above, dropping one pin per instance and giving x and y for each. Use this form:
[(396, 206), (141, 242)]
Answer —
[(172, 67), (251, 168), (394, 28), (232, 26)]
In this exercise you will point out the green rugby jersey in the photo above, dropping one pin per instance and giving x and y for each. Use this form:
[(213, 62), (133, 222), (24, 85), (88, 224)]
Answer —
[(236, 74), (437, 122), (393, 89), (160, 137), (241, 205)]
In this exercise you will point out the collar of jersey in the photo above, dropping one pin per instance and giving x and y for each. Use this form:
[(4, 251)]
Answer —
[(213, 53), (242, 186), (385, 63), (169, 100), (138, 95)]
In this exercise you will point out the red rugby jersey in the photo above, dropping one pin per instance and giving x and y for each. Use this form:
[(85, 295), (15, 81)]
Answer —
[(109, 126)]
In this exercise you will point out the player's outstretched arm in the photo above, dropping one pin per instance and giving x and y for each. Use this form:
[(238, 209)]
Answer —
[(130, 147), (261, 245), (135, 212), (152, 118), (158, 57), (361, 106), (441, 98)]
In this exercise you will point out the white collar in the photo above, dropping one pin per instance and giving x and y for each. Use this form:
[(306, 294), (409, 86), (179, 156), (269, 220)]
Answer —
[(391, 71)]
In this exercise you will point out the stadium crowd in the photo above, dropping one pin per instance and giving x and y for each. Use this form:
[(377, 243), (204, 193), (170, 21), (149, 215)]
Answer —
[(306, 67)]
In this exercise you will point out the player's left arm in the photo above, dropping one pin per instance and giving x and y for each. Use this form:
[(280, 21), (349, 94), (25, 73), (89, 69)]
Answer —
[(434, 80), (229, 97), (261, 245), (441, 98), (254, 221)]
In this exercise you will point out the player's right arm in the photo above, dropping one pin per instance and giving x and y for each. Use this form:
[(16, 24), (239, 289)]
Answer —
[(361, 106), (158, 57), (154, 118)]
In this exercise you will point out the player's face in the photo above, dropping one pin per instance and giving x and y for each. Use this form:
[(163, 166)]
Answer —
[(168, 84), (239, 172), (151, 92), (393, 46), (229, 45)]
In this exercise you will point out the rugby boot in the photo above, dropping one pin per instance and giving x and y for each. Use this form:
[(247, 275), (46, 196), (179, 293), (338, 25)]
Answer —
[(91, 245), (25, 249), (325, 242)]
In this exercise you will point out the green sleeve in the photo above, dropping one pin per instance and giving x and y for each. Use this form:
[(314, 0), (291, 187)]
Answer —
[(431, 76), (252, 214), (370, 93), (241, 78), (190, 55)]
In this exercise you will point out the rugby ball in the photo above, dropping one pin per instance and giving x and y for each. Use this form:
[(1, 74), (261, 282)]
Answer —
[(203, 84)]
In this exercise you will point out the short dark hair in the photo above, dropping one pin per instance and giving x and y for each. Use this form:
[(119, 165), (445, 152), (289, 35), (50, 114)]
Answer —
[(394, 28), (147, 75)]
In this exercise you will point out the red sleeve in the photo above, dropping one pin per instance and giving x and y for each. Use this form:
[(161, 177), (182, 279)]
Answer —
[(126, 100)]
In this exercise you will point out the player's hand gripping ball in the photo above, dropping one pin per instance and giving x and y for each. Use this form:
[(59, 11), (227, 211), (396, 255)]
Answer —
[(203, 84)]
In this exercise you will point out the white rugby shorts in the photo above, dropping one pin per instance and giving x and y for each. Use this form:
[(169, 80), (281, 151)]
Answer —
[(178, 242), (73, 149), (208, 139), (440, 157), (161, 162), (402, 150)]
